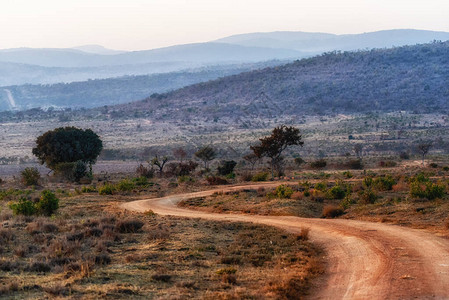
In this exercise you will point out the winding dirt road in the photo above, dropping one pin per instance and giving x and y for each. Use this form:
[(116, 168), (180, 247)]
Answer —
[(364, 260)]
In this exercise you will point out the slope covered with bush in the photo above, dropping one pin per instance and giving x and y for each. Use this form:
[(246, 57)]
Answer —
[(410, 78)]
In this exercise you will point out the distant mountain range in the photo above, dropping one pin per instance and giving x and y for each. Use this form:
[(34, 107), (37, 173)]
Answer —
[(324, 42), (49, 66), (409, 78)]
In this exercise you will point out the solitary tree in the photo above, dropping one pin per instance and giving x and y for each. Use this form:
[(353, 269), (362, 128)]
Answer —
[(206, 154), (272, 146), (160, 163), (424, 148), (68, 145)]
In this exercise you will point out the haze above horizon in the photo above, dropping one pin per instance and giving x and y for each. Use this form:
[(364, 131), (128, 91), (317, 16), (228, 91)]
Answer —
[(140, 24)]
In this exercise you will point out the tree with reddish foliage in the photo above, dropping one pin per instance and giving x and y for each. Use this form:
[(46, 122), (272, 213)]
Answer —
[(272, 146)]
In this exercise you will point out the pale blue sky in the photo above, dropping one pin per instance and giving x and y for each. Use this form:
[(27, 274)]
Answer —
[(146, 24)]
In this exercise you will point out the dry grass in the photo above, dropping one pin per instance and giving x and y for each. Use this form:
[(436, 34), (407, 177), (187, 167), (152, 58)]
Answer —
[(93, 250)]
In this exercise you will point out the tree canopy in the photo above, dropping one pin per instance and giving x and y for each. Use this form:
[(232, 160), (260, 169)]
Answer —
[(67, 145), (206, 154), (272, 146)]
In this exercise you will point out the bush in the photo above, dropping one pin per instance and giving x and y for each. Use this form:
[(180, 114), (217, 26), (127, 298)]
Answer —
[(129, 226), (404, 155), (48, 203), (79, 170), (143, 171), (30, 176), (354, 164), (262, 176), (321, 186), (23, 207), (215, 180), (88, 189), (318, 164), (185, 178), (283, 191), (339, 191), (125, 186), (426, 190), (332, 211), (141, 181), (347, 174), (387, 164), (433, 165), (384, 183), (367, 196), (106, 189), (226, 167)]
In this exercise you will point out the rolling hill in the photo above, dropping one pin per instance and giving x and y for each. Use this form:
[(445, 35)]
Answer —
[(409, 78), (100, 92)]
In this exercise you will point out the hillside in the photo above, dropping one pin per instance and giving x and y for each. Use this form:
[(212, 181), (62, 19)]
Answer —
[(100, 92), (410, 78)]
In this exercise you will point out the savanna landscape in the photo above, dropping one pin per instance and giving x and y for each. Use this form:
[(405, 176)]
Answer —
[(214, 151)]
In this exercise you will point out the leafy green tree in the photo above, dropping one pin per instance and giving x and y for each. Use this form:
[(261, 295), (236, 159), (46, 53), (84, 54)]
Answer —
[(68, 145), (272, 146), (206, 154)]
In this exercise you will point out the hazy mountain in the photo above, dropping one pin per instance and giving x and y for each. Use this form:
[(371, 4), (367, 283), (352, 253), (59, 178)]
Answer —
[(111, 91), (17, 74), (409, 78), (323, 42), (205, 53), (97, 49)]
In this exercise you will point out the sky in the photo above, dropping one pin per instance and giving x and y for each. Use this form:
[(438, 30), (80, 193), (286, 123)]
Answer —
[(149, 24)]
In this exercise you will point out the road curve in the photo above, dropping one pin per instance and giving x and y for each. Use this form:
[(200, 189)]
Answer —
[(364, 260)]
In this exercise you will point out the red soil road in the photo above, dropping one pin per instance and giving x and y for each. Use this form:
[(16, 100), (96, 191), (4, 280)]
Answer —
[(364, 260)]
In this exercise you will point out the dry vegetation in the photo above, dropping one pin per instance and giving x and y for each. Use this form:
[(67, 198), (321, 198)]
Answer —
[(410, 196), (90, 249)]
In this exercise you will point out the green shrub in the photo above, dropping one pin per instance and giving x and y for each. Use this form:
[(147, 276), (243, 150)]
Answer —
[(284, 191), (79, 170), (106, 189), (88, 189), (125, 185), (262, 176), (185, 178), (337, 192), (230, 176), (23, 207), (426, 190), (48, 203), (368, 182), (347, 174), (384, 183), (367, 196), (30, 176), (321, 186), (346, 202), (141, 181)]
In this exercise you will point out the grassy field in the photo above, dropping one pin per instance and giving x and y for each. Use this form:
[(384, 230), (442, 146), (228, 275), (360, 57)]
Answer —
[(91, 249)]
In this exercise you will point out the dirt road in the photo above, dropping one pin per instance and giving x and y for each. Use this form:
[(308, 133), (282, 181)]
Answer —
[(11, 101), (364, 260)]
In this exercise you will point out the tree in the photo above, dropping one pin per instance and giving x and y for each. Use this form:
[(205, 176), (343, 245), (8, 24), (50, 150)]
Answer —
[(423, 149), (67, 145), (160, 163), (252, 159), (180, 154), (358, 148), (272, 146), (206, 154)]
